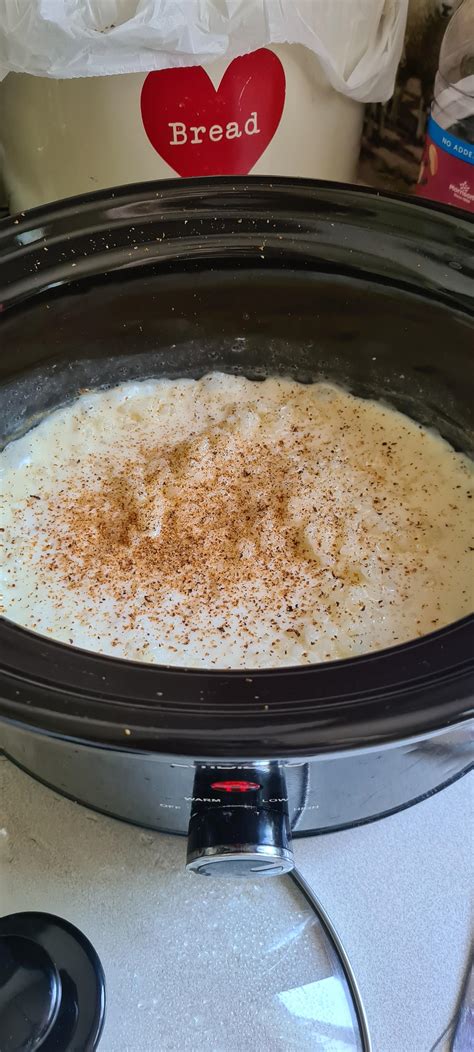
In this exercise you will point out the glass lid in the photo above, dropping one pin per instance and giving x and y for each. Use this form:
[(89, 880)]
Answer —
[(247, 965)]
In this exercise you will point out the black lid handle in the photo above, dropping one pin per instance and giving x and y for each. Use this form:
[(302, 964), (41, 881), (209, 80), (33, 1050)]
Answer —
[(30, 994), (52, 987)]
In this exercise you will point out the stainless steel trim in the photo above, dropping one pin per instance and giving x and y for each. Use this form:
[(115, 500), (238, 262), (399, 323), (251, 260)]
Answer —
[(281, 858), (330, 792)]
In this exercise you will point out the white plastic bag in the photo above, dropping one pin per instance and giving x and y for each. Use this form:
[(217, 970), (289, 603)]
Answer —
[(358, 42)]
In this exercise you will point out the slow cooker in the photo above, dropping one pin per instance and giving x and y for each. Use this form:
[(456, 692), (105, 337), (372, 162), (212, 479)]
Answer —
[(253, 277)]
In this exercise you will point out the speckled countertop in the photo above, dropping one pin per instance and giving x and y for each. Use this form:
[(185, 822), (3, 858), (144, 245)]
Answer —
[(398, 892)]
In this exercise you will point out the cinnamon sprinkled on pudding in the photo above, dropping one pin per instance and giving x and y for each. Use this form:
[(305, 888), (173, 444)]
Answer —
[(229, 523)]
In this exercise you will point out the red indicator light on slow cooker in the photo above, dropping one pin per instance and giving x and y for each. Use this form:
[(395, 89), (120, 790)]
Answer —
[(234, 787)]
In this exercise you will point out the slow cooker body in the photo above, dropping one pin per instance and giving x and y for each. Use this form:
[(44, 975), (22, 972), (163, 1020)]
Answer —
[(242, 276)]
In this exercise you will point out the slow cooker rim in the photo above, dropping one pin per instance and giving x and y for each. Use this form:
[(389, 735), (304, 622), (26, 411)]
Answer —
[(55, 224), (160, 187), (220, 711)]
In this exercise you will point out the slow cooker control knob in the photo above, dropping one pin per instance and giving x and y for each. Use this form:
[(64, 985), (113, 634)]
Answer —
[(239, 822)]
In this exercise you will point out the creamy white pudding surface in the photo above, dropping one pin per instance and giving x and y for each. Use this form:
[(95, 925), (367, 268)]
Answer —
[(234, 524)]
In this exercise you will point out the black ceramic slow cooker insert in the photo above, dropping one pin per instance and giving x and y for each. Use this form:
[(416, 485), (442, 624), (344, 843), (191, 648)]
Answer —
[(253, 277)]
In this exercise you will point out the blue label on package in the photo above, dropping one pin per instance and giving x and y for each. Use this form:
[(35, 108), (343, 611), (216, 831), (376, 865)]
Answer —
[(450, 143)]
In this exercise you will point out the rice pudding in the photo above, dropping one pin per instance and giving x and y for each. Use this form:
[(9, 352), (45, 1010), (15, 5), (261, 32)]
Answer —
[(229, 523)]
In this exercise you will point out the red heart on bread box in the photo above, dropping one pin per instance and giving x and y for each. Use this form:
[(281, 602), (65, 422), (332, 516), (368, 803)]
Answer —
[(200, 130)]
